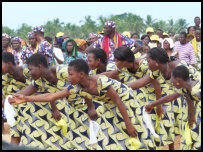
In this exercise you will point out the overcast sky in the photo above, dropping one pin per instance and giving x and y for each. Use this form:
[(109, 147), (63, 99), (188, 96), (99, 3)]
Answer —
[(37, 13)]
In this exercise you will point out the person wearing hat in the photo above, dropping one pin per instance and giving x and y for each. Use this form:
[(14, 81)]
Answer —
[(112, 40), (168, 46), (32, 49), (165, 35), (126, 33), (6, 39), (16, 45), (44, 46), (149, 31), (154, 41), (92, 37)]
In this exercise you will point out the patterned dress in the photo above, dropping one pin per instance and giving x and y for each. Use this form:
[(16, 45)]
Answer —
[(164, 128), (45, 48), (10, 86), (113, 134), (195, 96), (178, 105), (77, 118), (28, 53)]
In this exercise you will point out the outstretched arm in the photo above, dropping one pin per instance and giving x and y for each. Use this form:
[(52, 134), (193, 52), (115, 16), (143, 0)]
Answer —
[(47, 97), (116, 99), (111, 74), (29, 90), (162, 100), (140, 82)]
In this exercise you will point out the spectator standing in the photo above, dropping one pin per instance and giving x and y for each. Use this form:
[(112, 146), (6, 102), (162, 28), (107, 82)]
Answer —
[(185, 50)]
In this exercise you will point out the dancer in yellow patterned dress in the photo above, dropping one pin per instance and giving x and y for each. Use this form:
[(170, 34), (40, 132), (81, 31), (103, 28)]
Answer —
[(97, 61), (138, 68), (32, 126), (54, 80), (120, 104), (187, 82)]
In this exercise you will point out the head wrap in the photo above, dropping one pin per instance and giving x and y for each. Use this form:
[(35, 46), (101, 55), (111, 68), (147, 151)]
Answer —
[(16, 39), (170, 41), (31, 34), (112, 24), (80, 43), (4, 35), (93, 34), (149, 29), (75, 47), (39, 29)]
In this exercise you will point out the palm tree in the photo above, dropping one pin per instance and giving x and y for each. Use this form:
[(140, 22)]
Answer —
[(181, 25), (149, 21)]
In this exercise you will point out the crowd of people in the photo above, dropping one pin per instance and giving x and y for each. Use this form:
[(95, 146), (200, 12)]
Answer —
[(58, 85)]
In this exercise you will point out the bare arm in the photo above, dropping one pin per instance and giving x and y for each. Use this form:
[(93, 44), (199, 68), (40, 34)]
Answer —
[(47, 97), (28, 90), (162, 100), (138, 48), (191, 113), (111, 74), (116, 99), (140, 82), (91, 109), (157, 88)]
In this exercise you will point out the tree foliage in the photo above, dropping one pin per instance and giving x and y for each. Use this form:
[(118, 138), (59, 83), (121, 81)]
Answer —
[(124, 22)]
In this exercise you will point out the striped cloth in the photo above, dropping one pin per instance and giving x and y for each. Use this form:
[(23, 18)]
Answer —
[(186, 52)]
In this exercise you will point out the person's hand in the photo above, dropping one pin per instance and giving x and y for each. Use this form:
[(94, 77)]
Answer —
[(148, 108), (17, 99), (92, 113), (131, 130), (56, 114), (191, 120), (160, 112)]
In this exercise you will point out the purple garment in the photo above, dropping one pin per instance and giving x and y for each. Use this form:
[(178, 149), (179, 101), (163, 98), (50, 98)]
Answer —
[(45, 48), (128, 42), (186, 52)]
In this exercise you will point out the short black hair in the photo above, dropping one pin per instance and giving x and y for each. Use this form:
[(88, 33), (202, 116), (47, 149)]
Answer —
[(37, 59), (49, 39), (143, 36), (135, 34), (181, 72), (99, 54), (158, 54), (8, 57), (40, 33), (160, 30), (80, 65), (184, 33), (124, 54), (197, 17)]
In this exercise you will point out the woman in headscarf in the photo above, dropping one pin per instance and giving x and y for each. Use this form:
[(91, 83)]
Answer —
[(6, 39), (71, 51)]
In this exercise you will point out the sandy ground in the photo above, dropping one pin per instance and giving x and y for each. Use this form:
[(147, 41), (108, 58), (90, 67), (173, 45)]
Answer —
[(7, 137)]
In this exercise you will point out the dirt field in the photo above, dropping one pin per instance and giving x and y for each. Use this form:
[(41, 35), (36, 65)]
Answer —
[(7, 138)]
